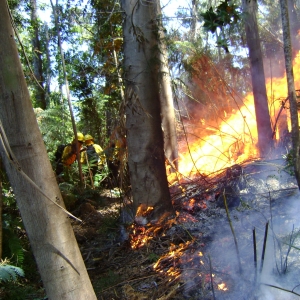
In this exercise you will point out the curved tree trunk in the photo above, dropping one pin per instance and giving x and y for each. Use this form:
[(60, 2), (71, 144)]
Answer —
[(48, 228), (145, 143), (264, 129), (291, 86)]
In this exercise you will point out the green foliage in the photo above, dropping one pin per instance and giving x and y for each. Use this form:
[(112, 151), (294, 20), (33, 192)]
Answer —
[(289, 167), (153, 257), (12, 244), (21, 290), (12, 225), (55, 126), (9, 272), (225, 14)]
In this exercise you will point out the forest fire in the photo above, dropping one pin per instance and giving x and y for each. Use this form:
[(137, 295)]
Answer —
[(191, 264), (143, 231), (234, 141)]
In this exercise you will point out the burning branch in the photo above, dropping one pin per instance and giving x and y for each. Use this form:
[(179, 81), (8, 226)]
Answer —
[(143, 231)]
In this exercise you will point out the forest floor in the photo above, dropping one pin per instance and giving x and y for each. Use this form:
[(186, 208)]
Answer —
[(248, 251), (207, 251)]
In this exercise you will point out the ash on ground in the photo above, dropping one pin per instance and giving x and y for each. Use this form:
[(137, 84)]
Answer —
[(259, 196)]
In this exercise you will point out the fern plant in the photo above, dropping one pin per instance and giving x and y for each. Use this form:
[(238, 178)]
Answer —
[(12, 226), (12, 244), (9, 272)]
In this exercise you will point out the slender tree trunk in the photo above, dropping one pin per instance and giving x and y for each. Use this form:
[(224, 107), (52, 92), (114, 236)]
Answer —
[(37, 58), (145, 143), (264, 129), (291, 86), (120, 80), (166, 100), (33, 181), (48, 66), (194, 20), (62, 55)]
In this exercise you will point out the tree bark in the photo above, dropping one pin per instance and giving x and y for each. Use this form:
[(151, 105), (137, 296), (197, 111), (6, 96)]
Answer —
[(291, 86), (48, 228), (145, 142), (166, 100), (264, 129)]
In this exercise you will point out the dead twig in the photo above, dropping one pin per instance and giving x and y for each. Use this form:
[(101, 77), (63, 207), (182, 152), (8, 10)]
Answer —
[(233, 233), (254, 252), (264, 247), (280, 288), (211, 277)]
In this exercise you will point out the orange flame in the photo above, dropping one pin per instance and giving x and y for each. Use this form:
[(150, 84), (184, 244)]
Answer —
[(235, 140), (222, 286)]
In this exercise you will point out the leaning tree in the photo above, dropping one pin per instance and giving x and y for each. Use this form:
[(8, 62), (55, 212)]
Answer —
[(33, 181)]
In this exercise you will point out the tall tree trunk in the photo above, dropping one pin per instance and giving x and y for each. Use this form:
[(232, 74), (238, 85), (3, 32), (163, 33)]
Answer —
[(62, 56), (145, 143), (194, 20), (264, 129), (23, 152), (294, 27), (48, 65), (37, 58), (120, 80), (291, 86), (166, 100)]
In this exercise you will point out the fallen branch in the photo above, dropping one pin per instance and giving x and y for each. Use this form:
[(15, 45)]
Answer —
[(233, 233), (280, 288), (264, 246)]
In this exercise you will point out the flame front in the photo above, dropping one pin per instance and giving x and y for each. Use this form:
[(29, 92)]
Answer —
[(235, 140)]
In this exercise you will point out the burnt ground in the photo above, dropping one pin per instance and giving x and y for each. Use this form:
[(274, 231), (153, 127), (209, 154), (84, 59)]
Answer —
[(207, 251)]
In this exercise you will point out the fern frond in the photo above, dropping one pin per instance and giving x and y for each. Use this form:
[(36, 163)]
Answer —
[(16, 248), (9, 272)]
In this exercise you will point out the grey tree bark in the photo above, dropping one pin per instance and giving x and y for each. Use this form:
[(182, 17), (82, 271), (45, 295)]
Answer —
[(166, 99), (291, 86), (24, 154), (145, 142), (264, 129)]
